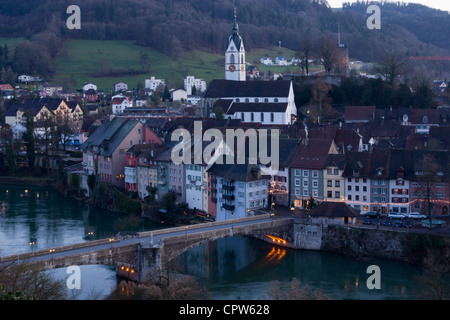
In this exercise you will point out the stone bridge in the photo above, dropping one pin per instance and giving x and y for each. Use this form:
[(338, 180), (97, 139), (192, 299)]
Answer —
[(152, 251)]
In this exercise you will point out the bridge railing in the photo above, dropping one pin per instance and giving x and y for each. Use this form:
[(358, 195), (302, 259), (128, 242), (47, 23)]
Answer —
[(25, 255), (200, 225)]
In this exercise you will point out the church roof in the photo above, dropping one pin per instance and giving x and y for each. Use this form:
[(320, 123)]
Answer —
[(234, 89)]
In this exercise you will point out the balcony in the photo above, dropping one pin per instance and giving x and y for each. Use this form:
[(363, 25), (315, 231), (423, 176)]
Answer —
[(228, 197), (227, 187), (228, 207)]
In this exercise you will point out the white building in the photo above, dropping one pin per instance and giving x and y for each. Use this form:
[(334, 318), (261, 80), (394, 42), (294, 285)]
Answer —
[(88, 86), (119, 105), (178, 94), (153, 83), (120, 86), (266, 60), (241, 189), (191, 81), (281, 61), (25, 78), (196, 186)]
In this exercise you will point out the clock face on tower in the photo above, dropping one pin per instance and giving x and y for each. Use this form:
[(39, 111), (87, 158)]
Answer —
[(232, 68)]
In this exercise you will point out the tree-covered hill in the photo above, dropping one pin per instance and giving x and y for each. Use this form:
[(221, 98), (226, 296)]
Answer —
[(171, 26)]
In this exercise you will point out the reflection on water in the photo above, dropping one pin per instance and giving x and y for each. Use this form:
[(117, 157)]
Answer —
[(35, 218), (244, 268)]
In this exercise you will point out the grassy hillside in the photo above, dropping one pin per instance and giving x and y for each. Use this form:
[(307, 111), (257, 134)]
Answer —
[(80, 60)]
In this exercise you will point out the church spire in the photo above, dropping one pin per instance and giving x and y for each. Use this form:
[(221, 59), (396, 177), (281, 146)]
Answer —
[(235, 25)]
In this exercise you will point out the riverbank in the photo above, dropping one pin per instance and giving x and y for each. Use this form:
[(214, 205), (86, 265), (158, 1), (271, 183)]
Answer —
[(31, 181)]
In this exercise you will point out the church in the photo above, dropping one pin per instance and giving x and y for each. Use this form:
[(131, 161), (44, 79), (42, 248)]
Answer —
[(266, 102)]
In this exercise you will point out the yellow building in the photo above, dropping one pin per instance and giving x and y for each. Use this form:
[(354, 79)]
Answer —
[(333, 182)]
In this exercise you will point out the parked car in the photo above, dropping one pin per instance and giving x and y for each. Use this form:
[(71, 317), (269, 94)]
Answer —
[(376, 222), (372, 214), (408, 224), (387, 222), (398, 224), (416, 215), (396, 215), (367, 220)]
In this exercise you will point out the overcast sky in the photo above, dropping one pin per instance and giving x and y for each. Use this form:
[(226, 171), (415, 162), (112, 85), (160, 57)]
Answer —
[(437, 4)]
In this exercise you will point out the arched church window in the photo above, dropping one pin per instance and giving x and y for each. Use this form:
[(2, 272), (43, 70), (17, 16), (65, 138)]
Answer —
[(242, 59), (232, 58)]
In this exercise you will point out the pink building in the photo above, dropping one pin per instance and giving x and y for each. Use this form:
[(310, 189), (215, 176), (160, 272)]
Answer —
[(104, 152)]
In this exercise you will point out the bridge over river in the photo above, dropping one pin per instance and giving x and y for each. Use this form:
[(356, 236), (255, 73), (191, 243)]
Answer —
[(135, 256)]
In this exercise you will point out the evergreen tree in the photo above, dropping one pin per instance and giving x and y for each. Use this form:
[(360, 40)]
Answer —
[(311, 203)]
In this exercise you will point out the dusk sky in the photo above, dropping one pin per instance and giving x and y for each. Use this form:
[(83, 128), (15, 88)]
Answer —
[(437, 4)]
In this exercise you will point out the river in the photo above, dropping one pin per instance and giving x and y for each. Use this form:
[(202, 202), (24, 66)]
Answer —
[(235, 268)]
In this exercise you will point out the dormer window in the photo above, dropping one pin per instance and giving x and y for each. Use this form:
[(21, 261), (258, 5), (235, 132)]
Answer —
[(355, 172), (425, 119), (379, 172)]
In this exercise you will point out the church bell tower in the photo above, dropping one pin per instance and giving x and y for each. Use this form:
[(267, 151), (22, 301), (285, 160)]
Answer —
[(235, 55)]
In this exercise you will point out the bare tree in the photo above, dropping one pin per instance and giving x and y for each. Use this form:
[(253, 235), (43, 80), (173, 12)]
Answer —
[(293, 290), (306, 49), (29, 282), (328, 53), (434, 282), (429, 170)]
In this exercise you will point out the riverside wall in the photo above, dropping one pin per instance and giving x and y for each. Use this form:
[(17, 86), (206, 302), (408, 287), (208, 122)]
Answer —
[(405, 246)]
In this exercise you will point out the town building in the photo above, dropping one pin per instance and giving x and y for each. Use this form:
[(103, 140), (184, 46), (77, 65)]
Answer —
[(190, 82), (307, 171), (153, 83), (54, 109), (104, 152), (119, 104), (120, 86), (241, 189)]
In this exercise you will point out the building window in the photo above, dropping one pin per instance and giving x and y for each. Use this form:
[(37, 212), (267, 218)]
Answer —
[(262, 117), (272, 117), (232, 58), (252, 117)]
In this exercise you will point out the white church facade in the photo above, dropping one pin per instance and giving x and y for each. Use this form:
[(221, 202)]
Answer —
[(266, 102)]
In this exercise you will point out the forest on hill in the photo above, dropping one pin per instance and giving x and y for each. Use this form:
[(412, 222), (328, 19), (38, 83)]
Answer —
[(174, 26)]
